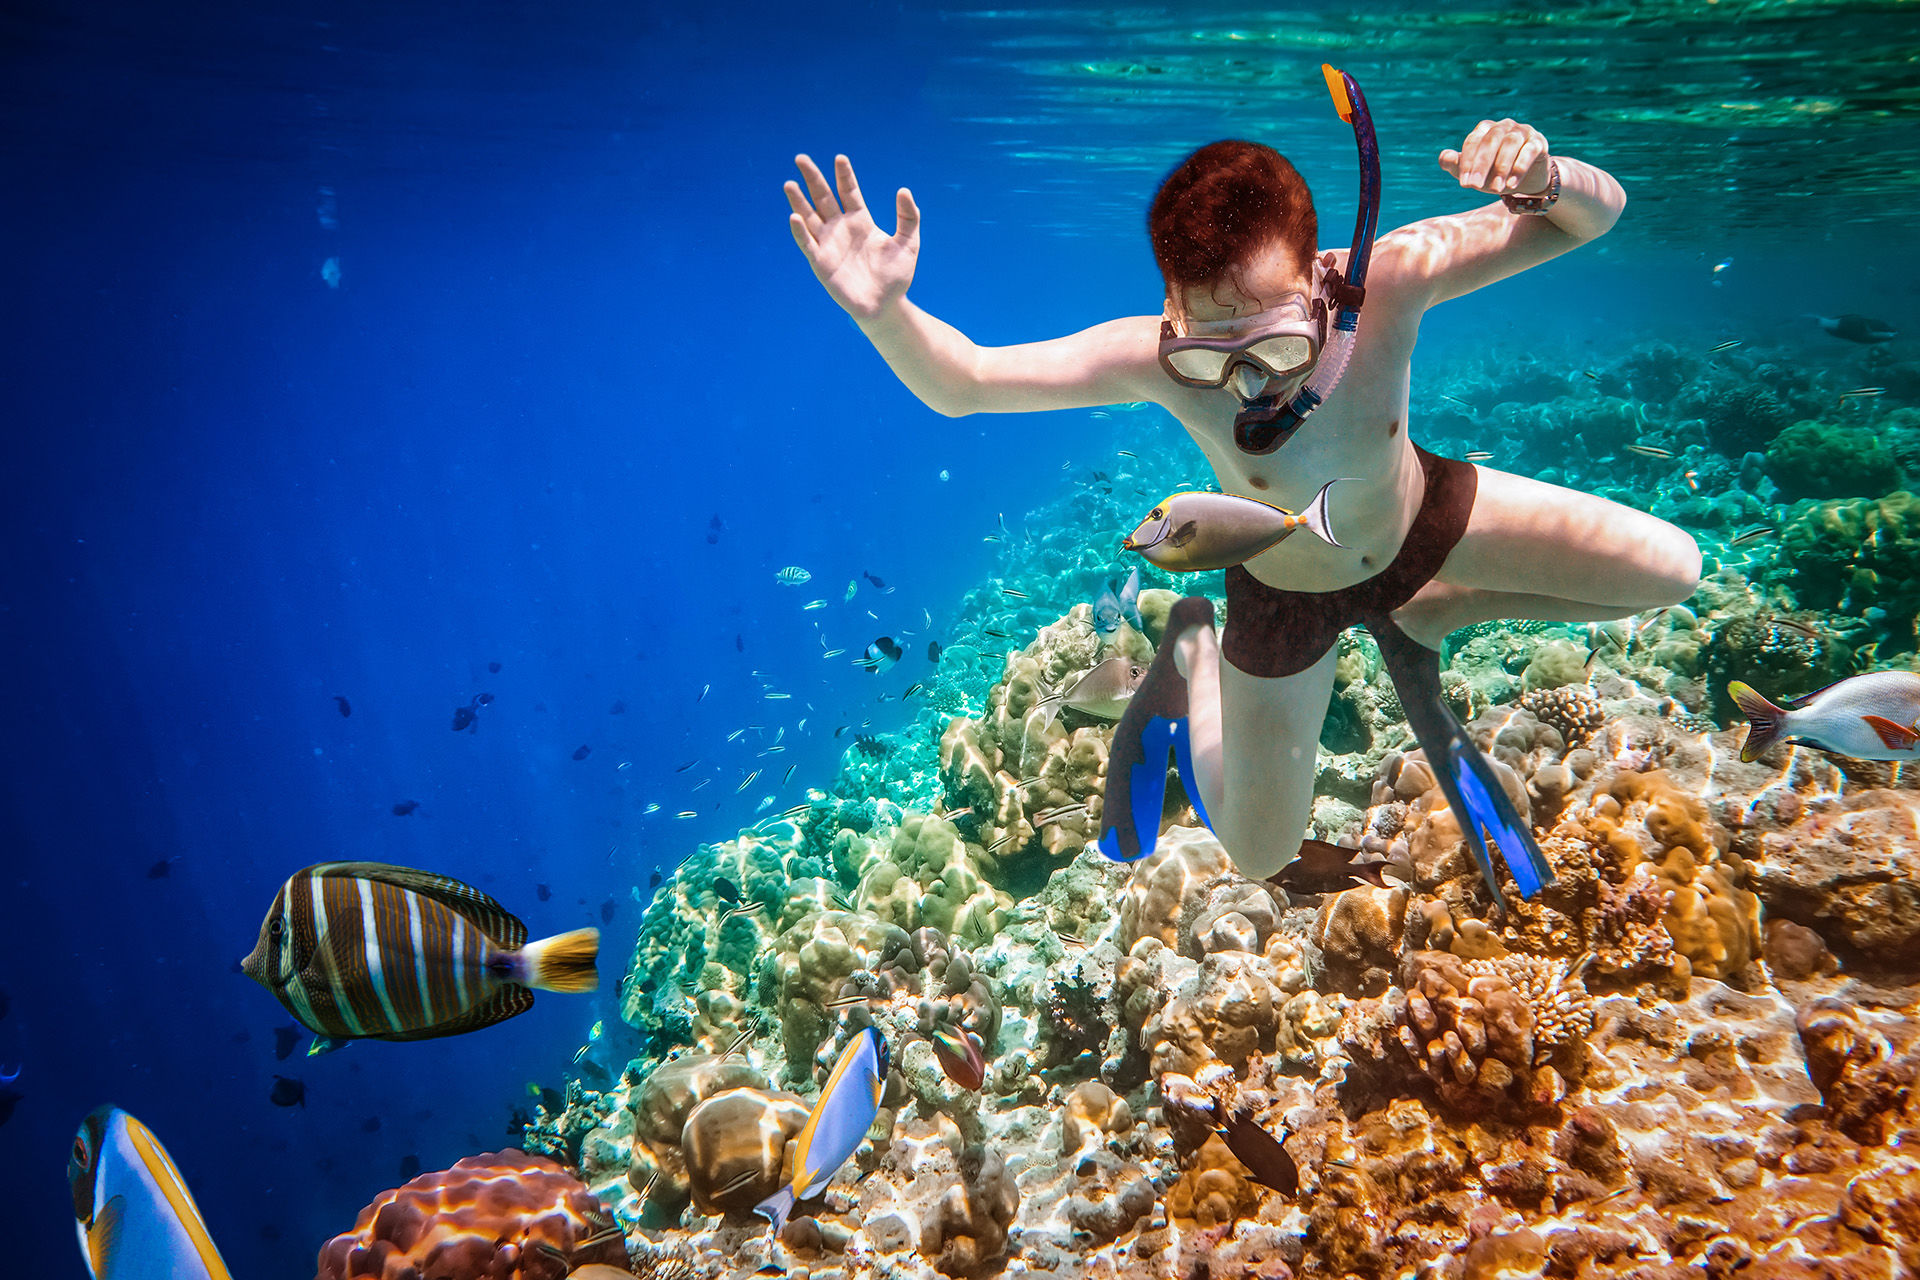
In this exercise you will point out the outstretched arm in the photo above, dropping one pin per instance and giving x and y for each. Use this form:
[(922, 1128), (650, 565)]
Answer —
[(867, 272), (1441, 258)]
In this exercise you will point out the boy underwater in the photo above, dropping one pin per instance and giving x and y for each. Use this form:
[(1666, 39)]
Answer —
[(1258, 353)]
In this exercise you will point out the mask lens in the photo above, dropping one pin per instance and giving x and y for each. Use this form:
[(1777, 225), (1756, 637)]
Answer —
[(1282, 353), (1197, 364)]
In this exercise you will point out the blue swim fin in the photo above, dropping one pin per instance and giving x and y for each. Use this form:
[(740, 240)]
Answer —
[(1487, 818), (1153, 727)]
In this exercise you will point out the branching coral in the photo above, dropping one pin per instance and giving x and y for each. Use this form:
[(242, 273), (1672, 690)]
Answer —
[(1475, 1026)]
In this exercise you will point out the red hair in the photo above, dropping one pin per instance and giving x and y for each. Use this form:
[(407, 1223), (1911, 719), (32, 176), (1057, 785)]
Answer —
[(1223, 204)]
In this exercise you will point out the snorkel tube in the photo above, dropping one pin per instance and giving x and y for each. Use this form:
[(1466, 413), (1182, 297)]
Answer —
[(1265, 425)]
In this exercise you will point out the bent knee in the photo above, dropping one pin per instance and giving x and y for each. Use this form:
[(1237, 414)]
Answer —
[(1675, 565)]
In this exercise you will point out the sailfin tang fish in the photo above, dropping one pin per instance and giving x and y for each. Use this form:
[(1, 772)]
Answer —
[(134, 1215), (847, 1107), (1193, 531), (369, 950)]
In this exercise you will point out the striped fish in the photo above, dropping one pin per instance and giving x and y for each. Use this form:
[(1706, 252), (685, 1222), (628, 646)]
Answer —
[(365, 949), (135, 1218)]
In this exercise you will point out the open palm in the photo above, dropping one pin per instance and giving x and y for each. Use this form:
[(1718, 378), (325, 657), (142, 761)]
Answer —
[(864, 269)]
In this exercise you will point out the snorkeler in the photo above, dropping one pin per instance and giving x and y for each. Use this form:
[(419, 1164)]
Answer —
[(1257, 328)]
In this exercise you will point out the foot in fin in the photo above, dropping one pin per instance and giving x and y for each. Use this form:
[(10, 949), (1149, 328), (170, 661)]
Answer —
[(1466, 777), (1153, 727)]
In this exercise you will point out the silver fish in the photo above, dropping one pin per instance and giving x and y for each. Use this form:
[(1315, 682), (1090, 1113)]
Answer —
[(1868, 717), (1193, 531)]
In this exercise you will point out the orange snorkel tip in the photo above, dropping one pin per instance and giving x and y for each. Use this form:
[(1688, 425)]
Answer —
[(1337, 86)]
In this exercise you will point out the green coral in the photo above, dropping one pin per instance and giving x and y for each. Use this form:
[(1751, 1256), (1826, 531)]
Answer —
[(1813, 459)]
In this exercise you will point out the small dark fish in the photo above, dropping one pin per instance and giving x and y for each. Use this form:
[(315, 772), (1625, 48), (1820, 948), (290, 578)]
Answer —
[(912, 689), (1649, 451), (463, 718), (618, 708), (493, 668), (880, 655), (1591, 374), (739, 643), (725, 889), (682, 768), (934, 651), (877, 584), (287, 1092), (161, 869), (1256, 1147), (409, 1167), (346, 708), (1015, 594), (1326, 868), (9, 1099), (405, 807), (284, 1039), (1751, 535), (582, 751), (995, 633), (653, 881), (1862, 393), (543, 892), (1857, 328), (1728, 345), (370, 1125), (607, 910)]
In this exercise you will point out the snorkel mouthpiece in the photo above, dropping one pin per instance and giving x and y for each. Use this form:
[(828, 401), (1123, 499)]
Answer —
[(1262, 426)]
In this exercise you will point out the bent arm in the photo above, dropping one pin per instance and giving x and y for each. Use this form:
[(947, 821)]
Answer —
[(1111, 363), (1441, 258)]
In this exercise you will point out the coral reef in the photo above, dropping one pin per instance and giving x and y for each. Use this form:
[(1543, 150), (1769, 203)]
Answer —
[(502, 1216), (1694, 1052)]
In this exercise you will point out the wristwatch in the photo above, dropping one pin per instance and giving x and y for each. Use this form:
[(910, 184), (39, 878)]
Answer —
[(1537, 203)]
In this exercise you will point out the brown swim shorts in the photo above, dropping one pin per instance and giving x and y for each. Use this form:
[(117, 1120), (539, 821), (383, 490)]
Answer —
[(1273, 633)]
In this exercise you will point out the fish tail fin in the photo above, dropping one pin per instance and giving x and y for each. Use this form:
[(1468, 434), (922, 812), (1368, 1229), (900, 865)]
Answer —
[(1315, 516), (776, 1207), (1764, 719), (564, 962)]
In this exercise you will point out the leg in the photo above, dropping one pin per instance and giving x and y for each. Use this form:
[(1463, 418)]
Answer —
[(1439, 609), (1529, 539), (1255, 747)]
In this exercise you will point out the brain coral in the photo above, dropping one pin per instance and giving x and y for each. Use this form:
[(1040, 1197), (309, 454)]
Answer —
[(503, 1216)]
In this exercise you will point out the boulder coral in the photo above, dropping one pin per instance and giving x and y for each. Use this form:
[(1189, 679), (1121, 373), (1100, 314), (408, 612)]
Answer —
[(499, 1216)]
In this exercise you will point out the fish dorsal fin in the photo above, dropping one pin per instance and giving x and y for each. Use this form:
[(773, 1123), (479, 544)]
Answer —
[(103, 1237), (506, 1003), (493, 919), (1801, 700), (1896, 737)]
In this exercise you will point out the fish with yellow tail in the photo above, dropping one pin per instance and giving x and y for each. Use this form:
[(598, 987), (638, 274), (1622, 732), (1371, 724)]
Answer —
[(1875, 716), (1193, 531), (368, 950), (134, 1215), (847, 1106)]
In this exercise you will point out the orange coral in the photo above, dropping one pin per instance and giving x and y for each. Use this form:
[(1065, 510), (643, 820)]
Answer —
[(500, 1216)]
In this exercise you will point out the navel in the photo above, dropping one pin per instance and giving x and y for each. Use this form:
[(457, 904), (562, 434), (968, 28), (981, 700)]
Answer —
[(1257, 482), (1393, 428), (1366, 562)]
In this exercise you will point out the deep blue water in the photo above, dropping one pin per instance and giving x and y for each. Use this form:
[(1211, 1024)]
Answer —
[(569, 330)]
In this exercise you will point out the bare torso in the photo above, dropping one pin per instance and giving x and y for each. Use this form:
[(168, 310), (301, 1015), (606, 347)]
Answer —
[(1359, 437)]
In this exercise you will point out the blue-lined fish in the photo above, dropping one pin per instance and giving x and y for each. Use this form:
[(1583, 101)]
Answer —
[(366, 949), (814, 604), (846, 1110), (833, 653), (746, 782), (134, 1215), (1478, 455)]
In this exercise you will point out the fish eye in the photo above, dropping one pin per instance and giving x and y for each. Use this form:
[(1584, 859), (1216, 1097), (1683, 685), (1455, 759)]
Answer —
[(80, 1149), (1157, 513), (275, 927)]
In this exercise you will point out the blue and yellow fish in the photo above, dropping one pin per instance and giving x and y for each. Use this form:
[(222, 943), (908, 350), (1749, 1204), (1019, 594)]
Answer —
[(134, 1215), (365, 949), (847, 1106)]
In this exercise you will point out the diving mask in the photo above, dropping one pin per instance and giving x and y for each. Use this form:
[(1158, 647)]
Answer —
[(1280, 342)]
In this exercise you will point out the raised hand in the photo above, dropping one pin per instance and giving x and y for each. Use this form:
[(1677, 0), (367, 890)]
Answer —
[(864, 269), (1501, 158)]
